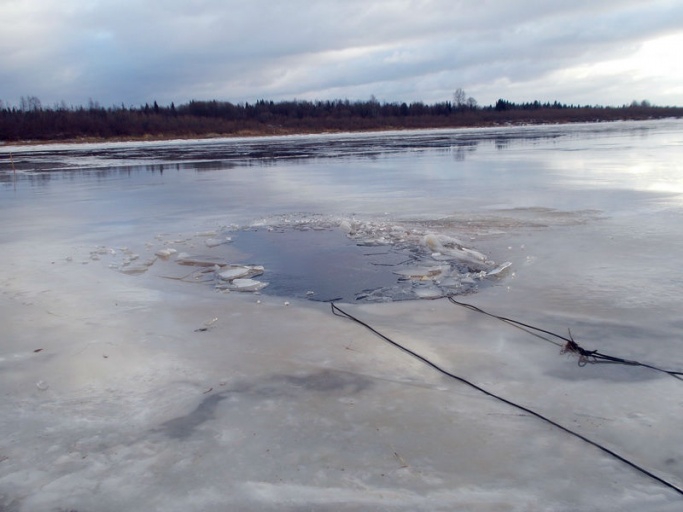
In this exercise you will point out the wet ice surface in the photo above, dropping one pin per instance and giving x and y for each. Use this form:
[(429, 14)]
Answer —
[(213, 154), (132, 380)]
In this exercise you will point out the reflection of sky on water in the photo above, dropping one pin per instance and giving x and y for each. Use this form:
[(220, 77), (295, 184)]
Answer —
[(433, 172)]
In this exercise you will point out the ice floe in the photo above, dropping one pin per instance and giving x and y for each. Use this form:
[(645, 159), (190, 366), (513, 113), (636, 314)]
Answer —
[(215, 242), (166, 252), (236, 272), (247, 285), (239, 278), (200, 260)]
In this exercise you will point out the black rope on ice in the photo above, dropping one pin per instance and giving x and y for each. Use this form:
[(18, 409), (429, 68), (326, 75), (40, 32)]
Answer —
[(337, 311), (570, 346)]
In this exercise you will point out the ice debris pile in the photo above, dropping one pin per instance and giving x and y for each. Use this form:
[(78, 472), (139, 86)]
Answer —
[(431, 264), (214, 268), (225, 276), (438, 264)]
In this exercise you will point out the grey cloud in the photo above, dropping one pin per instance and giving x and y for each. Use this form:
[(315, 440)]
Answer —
[(133, 51)]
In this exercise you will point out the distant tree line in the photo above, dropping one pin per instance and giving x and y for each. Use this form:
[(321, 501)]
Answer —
[(33, 121)]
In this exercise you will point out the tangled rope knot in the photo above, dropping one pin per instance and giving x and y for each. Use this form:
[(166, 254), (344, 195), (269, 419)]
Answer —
[(585, 356), (569, 345)]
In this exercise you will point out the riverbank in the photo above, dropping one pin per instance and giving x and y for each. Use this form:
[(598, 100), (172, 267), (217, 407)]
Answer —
[(84, 126)]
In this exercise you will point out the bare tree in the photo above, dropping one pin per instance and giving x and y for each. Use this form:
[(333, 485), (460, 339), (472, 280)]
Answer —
[(31, 104), (459, 98), (93, 105)]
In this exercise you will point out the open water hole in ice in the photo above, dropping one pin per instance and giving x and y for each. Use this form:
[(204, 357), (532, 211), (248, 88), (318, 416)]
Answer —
[(318, 264)]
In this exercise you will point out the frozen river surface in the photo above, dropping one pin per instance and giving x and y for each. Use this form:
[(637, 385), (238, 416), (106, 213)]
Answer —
[(168, 344)]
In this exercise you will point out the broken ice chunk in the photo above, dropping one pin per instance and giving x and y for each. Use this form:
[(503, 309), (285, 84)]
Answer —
[(234, 273), (238, 271), (166, 253), (422, 273), (247, 285), (449, 246), (499, 269), (346, 227), (200, 261), (215, 242), (139, 267)]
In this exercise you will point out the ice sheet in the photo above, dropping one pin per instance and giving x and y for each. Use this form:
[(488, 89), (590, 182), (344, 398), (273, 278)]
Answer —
[(133, 391)]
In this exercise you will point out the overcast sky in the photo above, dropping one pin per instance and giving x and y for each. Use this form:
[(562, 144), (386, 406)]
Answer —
[(606, 52)]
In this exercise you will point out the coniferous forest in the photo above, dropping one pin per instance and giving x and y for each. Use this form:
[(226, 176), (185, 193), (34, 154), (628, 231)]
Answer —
[(31, 121)]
